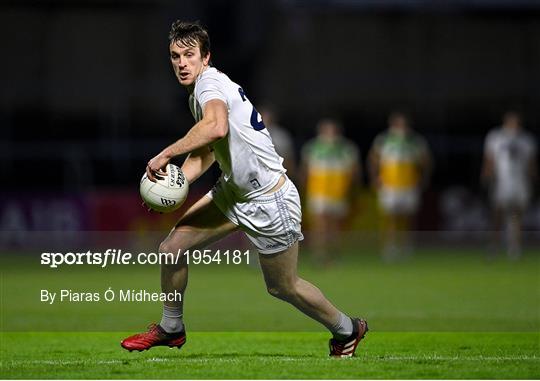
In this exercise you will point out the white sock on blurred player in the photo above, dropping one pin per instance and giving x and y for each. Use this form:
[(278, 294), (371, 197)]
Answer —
[(171, 321)]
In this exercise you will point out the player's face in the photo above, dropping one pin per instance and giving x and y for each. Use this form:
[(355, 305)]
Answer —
[(329, 131), (399, 125), (187, 62), (512, 121)]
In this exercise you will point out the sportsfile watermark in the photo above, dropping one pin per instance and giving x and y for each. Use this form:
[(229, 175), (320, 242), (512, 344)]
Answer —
[(119, 257)]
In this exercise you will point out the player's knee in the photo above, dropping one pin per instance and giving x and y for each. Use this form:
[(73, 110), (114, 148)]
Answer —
[(286, 291), (169, 254), (165, 247), (276, 292)]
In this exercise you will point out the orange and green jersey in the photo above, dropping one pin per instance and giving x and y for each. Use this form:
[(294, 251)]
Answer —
[(400, 160), (329, 168)]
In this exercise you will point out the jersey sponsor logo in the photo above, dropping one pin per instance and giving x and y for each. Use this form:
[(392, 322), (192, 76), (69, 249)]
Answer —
[(255, 183)]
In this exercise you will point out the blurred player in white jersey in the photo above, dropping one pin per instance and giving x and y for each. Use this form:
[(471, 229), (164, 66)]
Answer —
[(509, 170), (282, 139), (253, 194)]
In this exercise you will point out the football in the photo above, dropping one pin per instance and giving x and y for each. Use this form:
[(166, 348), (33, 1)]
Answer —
[(166, 194)]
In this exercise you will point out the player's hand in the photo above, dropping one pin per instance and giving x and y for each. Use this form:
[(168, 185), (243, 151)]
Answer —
[(156, 167)]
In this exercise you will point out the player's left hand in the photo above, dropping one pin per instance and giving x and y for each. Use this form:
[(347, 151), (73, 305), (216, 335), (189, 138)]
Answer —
[(156, 167)]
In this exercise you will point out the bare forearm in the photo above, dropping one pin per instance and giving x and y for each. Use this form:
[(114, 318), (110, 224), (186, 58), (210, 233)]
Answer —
[(197, 163), (486, 175), (213, 127), (200, 135)]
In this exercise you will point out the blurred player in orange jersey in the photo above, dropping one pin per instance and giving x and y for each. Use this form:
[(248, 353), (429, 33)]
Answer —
[(399, 165), (330, 167), (509, 170)]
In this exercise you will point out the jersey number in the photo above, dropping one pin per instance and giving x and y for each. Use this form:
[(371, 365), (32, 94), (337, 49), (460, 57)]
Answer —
[(254, 120)]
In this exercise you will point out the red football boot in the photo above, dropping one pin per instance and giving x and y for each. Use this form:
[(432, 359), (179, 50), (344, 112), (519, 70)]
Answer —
[(347, 347), (154, 337)]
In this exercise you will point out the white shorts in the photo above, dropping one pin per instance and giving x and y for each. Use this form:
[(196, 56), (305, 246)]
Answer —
[(399, 201), (272, 222), (511, 198)]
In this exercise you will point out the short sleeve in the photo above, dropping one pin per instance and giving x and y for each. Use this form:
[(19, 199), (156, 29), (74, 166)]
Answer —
[(209, 88)]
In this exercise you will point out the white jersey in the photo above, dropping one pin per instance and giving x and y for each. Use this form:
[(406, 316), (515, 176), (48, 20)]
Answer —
[(512, 152), (246, 156)]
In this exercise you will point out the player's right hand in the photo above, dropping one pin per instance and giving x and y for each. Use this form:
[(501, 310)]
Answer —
[(156, 167)]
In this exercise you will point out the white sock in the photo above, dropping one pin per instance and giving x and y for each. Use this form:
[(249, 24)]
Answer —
[(171, 320), (343, 327)]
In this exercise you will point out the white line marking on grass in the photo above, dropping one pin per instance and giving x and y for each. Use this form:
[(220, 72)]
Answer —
[(153, 359), (158, 359), (85, 362), (66, 362), (214, 360), (455, 358)]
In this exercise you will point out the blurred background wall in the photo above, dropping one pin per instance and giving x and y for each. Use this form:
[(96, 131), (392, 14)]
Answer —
[(88, 95)]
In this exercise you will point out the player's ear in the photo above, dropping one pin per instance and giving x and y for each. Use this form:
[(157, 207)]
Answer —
[(206, 60)]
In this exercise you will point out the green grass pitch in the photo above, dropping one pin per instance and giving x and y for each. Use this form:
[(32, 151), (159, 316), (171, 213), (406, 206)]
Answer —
[(441, 314), (274, 355)]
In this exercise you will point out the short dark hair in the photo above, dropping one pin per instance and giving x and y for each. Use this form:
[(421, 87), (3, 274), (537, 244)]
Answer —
[(399, 114), (189, 34), (513, 113), (329, 121)]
